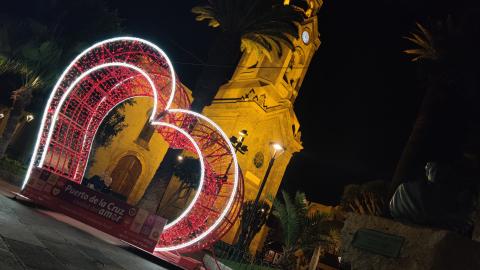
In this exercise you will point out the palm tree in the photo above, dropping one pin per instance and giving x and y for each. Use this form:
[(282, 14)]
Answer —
[(245, 25), (30, 60), (301, 231), (32, 49), (446, 53)]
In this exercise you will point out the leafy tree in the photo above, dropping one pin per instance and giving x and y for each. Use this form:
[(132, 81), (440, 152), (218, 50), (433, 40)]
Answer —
[(244, 25), (113, 124)]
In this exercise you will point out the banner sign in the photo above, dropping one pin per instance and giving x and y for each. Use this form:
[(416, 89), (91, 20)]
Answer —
[(131, 224)]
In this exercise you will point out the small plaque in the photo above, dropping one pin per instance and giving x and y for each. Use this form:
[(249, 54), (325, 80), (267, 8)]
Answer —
[(378, 242)]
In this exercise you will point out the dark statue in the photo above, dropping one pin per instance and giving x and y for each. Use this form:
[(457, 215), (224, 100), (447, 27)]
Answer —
[(446, 199)]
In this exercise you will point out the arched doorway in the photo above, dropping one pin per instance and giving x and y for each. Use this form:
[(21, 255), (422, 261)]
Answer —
[(125, 175)]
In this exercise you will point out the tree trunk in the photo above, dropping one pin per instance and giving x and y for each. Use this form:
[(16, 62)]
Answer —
[(21, 99), (412, 153), (315, 258)]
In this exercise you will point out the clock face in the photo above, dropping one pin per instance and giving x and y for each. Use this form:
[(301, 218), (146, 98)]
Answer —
[(258, 159), (305, 37)]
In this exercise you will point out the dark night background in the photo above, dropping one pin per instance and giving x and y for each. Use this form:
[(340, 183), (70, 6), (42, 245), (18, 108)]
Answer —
[(360, 96)]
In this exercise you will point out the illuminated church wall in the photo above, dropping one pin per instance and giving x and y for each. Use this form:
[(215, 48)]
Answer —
[(129, 143), (260, 98), (126, 143)]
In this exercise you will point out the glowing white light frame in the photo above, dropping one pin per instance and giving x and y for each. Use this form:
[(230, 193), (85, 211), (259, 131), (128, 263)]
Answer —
[(154, 112), (79, 79), (86, 135), (232, 196), (202, 173), (88, 126), (62, 77)]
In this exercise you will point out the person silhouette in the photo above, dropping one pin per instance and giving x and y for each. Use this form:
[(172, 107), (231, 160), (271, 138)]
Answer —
[(107, 182)]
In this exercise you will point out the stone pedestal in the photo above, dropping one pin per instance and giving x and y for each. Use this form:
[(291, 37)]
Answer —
[(423, 248)]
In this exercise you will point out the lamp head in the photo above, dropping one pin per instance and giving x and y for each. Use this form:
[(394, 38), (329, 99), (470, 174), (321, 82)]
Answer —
[(243, 133), (278, 147)]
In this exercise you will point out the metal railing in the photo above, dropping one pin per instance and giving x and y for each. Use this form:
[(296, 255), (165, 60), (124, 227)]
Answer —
[(239, 258)]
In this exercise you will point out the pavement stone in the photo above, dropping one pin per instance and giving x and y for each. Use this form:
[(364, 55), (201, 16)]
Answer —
[(102, 261), (71, 256), (8, 261), (11, 227), (3, 245), (34, 257), (31, 240)]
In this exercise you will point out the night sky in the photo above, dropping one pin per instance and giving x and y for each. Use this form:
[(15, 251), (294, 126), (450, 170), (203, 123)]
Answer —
[(360, 96), (358, 101)]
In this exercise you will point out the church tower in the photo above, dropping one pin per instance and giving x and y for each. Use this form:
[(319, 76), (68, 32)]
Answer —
[(260, 98)]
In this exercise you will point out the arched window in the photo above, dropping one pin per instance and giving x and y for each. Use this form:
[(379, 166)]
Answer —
[(147, 132)]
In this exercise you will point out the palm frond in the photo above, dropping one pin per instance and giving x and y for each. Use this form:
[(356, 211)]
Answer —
[(287, 215), (206, 13), (260, 44), (12, 66), (425, 42), (263, 28), (292, 224)]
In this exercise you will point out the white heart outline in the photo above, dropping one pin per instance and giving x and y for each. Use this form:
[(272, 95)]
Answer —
[(152, 121)]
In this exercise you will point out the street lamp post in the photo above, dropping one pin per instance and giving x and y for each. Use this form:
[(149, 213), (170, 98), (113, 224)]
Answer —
[(247, 235), (277, 149)]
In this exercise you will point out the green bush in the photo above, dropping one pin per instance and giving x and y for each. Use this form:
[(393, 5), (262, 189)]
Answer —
[(13, 166)]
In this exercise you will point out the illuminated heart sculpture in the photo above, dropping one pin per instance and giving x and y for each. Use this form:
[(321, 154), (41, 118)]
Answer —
[(105, 75)]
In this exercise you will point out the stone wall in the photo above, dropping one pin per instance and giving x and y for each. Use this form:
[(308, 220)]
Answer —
[(424, 248)]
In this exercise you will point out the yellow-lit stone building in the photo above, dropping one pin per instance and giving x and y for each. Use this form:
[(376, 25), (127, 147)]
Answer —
[(134, 154), (259, 98)]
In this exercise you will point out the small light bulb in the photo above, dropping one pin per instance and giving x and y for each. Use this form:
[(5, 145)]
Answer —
[(277, 147), (30, 117), (179, 158)]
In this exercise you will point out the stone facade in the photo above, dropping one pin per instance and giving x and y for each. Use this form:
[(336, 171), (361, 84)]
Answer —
[(126, 144), (260, 99), (423, 249)]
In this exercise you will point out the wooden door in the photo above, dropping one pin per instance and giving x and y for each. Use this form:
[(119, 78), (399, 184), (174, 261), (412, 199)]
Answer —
[(125, 175)]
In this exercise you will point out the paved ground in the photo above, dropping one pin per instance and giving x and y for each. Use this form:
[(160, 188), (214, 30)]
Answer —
[(30, 239)]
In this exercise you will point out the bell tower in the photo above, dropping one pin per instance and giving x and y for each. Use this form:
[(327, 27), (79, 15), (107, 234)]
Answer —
[(260, 98)]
